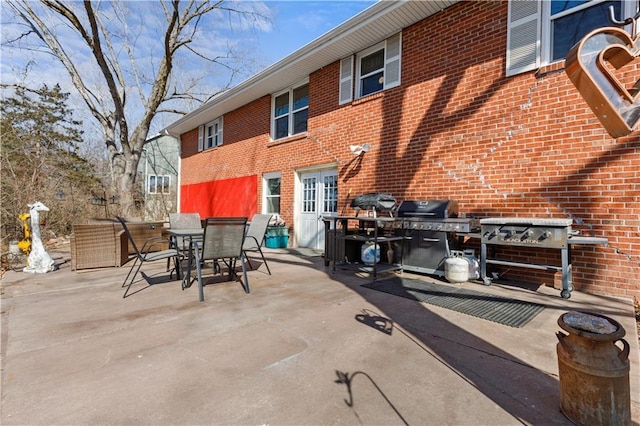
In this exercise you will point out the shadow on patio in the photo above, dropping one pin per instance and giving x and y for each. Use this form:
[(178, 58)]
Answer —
[(304, 347)]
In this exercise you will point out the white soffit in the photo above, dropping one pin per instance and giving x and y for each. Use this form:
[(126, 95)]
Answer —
[(365, 29)]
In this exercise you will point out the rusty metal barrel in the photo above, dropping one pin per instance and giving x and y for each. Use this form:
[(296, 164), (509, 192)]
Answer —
[(593, 370)]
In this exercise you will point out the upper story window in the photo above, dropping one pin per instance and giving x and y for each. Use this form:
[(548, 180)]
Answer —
[(377, 68), (570, 21), (370, 70), (210, 135), (213, 134), (158, 184), (541, 32), (290, 111)]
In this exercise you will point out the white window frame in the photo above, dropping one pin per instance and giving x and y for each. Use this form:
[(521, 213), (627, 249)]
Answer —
[(213, 138), (391, 71), (529, 34), (392, 61), (156, 179), (265, 190), (291, 112), (330, 198), (392, 64), (360, 77), (547, 36)]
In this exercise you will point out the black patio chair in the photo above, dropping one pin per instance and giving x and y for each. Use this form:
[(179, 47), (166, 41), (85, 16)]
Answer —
[(255, 237), (149, 252), (221, 244)]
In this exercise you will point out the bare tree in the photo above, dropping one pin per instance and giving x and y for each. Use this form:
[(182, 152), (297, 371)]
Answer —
[(103, 27)]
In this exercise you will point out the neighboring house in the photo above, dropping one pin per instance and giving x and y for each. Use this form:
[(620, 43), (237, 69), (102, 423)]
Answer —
[(158, 171), (457, 100)]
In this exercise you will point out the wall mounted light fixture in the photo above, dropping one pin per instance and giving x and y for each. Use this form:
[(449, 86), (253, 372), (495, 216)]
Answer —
[(359, 149)]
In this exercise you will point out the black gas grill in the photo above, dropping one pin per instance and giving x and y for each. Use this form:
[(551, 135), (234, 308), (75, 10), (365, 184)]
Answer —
[(418, 229), (429, 224), (432, 215), (428, 209)]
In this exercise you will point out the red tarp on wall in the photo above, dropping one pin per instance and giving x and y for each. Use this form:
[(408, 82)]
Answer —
[(221, 198)]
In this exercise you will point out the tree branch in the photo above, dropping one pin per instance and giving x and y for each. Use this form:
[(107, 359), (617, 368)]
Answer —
[(46, 35)]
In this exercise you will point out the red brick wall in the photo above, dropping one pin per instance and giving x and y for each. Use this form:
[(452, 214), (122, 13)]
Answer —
[(458, 128)]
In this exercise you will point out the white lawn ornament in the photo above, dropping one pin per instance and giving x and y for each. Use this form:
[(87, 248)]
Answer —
[(39, 261)]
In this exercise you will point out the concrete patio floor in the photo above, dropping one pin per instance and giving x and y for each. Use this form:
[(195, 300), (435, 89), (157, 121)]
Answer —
[(305, 347)]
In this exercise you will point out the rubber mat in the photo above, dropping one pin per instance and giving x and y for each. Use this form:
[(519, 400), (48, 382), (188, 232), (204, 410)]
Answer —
[(510, 312)]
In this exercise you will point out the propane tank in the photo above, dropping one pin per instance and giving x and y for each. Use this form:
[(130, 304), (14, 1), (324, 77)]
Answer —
[(370, 253), (593, 370), (474, 265), (456, 268)]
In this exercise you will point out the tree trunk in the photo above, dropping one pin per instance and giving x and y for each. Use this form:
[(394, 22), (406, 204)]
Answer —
[(127, 202)]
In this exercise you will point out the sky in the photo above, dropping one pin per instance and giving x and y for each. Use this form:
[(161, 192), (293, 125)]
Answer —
[(296, 23), (291, 25)]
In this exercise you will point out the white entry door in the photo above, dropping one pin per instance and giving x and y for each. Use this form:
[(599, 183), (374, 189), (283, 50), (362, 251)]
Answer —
[(319, 198)]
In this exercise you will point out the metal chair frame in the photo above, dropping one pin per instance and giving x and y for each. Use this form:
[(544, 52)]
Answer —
[(145, 254), (222, 241), (255, 237)]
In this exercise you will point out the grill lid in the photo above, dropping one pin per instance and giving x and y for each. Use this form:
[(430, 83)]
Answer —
[(429, 209), (381, 202)]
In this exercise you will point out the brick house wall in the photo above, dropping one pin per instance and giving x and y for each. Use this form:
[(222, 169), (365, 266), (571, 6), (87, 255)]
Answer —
[(457, 128)]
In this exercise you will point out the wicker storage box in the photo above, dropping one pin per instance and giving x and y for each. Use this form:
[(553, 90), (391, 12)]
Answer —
[(103, 243), (142, 231), (98, 246)]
